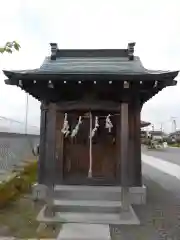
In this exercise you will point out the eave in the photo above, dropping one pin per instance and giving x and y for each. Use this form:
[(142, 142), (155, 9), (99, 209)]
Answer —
[(44, 76)]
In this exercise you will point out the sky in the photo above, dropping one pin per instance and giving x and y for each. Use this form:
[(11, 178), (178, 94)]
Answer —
[(153, 24)]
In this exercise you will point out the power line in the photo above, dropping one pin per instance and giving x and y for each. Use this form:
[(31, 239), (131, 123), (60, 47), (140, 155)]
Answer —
[(15, 121)]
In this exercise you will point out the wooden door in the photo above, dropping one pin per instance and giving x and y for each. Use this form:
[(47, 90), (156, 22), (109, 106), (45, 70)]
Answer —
[(76, 161), (76, 151), (104, 152)]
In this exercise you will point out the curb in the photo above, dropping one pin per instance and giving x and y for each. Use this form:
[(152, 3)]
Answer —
[(13, 238), (173, 147)]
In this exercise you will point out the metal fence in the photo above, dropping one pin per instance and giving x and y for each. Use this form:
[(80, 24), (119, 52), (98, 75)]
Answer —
[(14, 149)]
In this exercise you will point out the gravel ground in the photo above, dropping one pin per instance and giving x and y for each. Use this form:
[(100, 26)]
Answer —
[(160, 217)]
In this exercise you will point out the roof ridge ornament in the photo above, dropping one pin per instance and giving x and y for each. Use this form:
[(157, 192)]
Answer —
[(131, 50), (54, 48)]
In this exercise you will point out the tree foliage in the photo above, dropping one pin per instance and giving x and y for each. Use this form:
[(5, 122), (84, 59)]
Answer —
[(9, 47)]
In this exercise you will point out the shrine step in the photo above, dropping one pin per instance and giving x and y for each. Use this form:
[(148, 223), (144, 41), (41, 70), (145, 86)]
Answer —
[(88, 206), (107, 193)]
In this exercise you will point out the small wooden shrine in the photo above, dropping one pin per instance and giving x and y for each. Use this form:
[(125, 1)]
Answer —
[(91, 102)]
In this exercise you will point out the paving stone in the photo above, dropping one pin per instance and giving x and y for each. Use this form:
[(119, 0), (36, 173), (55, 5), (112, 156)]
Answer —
[(74, 231), (5, 231)]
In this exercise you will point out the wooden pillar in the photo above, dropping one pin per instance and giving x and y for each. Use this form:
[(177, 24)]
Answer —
[(124, 145), (51, 145), (134, 135), (42, 144), (137, 144), (118, 151), (59, 146), (50, 159), (131, 153)]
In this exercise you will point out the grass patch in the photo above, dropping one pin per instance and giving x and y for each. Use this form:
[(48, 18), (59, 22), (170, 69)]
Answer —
[(174, 144), (18, 183), (19, 217), (18, 211)]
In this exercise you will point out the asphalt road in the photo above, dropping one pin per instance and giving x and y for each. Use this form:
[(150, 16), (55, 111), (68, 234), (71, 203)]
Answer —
[(169, 154)]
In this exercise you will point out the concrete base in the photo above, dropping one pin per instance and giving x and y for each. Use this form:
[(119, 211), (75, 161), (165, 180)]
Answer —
[(73, 231), (128, 218)]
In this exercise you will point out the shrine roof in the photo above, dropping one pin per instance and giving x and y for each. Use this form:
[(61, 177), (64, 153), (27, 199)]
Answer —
[(120, 63), (145, 124), (117, 69)]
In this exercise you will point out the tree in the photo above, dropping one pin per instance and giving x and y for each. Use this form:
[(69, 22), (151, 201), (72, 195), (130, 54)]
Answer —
[(9, 47)]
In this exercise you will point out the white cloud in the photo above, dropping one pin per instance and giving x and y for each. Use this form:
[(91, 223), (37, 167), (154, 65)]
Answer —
[(153, 24)]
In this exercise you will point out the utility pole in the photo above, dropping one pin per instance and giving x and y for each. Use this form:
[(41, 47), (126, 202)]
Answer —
[(26, 114), (174, 124), (161, 127)]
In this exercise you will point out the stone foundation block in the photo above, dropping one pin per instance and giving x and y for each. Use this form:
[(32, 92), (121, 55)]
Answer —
[(138, 195), (39, 192)]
